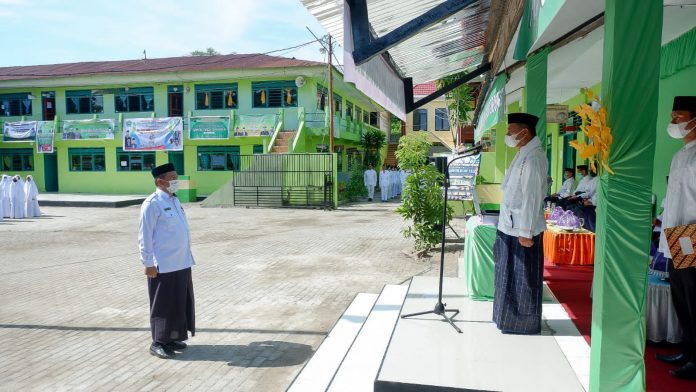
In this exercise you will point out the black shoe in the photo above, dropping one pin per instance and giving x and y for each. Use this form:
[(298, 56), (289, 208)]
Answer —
[(368, 199), (177, 345), (676, 359), (686, 372), (160, 350)]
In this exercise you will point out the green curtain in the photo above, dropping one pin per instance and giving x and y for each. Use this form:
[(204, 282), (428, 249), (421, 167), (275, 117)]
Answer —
[(536, 81), (678, 54), (630, 77), (478, 260)]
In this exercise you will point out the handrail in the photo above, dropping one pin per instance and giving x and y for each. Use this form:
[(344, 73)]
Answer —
[(279, 126), (300, 128)]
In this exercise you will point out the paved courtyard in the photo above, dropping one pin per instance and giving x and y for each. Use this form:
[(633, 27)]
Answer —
[(269, 285)]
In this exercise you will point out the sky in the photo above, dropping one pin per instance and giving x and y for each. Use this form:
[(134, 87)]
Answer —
[(63, 31)]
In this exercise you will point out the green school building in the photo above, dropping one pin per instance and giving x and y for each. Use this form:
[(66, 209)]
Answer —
[(244, 87)]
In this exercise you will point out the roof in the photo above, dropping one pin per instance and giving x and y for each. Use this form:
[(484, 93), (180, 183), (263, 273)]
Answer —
[(168, 64), (442, 137), (424, 88)]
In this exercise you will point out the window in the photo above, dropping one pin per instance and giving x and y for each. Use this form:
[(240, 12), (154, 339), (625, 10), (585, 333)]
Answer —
[(349, 110), (216, 96), (258, 148), (337, 104), (218, 158), (374, 119), (358, 114), (82, 101), (274, 94), (322, 96), (134, 161), (442, 119), (86, 159), (420, 120), (17, 104), (17, 159), (140, 99)]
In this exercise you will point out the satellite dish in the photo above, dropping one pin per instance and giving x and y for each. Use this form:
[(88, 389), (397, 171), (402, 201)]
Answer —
[(299, 81)]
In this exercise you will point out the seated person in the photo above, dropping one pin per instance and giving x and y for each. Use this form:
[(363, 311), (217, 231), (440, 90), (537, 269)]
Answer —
[(585, 190), (587, 211), (567, 188)]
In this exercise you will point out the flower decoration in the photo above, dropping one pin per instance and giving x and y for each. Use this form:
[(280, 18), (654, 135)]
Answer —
[(598, 133)]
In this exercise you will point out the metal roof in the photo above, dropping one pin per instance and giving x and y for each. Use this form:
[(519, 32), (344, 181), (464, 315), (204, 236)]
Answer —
[(453, 45), (161, 65)]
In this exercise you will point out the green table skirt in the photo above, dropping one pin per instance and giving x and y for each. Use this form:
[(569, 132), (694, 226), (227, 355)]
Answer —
[(478, 259)]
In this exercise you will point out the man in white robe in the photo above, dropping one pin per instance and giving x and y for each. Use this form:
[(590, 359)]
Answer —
[(384, 184), (370, 181), (6, 195), (31, 192), (518, 249), (17, 202), (680, 210)]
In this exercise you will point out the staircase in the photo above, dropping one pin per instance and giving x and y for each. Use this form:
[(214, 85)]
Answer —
[(280, 146), (350, 357), (390, 159)]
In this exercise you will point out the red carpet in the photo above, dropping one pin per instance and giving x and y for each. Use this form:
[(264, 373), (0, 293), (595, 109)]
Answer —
[(571, 285)]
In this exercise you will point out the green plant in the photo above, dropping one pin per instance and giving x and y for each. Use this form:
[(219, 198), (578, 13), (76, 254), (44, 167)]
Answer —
[(372, 141), (422, 195), (355, 188), (460, 101)]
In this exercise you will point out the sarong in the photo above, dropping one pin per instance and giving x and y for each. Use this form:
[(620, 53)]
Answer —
[(172, 309), (519, 283)]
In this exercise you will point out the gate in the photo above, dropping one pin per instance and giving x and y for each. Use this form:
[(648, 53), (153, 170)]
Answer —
[(285, 180)]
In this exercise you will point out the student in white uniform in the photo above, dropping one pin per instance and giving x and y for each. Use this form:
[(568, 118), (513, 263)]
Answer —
[(17, 201), (6, 195), (384, 184), (31, 192), (680, 210), (370, 181), (567, 187)]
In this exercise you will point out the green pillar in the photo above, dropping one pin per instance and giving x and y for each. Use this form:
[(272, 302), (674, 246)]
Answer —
[(631, 64), (535, 82)]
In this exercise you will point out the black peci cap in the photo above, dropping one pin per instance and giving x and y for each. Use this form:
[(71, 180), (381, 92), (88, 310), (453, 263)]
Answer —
[(159, 170), (687, 103), (523, 118)]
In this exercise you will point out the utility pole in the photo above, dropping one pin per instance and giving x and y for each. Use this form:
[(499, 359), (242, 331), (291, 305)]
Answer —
[(331, 100)]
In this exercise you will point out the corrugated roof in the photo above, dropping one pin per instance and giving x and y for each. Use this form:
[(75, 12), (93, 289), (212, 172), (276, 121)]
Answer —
[(169, 64), (453, 45)]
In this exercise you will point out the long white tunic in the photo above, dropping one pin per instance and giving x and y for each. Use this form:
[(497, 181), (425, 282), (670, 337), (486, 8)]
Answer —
[(384, 182), (524, 188), (32, 199), (567, 188), (680, 201), (584, 186), (370, 177), (6, 196), (17, 203)]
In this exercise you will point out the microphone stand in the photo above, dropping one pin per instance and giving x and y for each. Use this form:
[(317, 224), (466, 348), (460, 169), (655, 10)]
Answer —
[(440, 307)]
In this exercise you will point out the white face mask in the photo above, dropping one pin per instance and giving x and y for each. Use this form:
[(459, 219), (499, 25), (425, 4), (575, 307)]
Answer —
[(511, 141), (679, 131), (173, 186)]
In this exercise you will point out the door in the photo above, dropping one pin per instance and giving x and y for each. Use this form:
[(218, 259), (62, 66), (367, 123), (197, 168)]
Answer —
[(176, 104), (51, 172), (176, 158), (48, 105), (568, 151)]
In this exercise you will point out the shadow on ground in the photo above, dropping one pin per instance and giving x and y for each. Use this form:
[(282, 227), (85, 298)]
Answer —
[(264, 354)]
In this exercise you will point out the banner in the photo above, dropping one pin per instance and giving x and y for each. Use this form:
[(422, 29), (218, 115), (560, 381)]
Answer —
[(153, 134), (44, 136), (493, 108), (94, 128), (256, 125), (19, 131), (463, 174), (209, 127)]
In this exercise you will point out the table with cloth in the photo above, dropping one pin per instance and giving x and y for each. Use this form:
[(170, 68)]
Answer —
[(565, 247), (479, 267)]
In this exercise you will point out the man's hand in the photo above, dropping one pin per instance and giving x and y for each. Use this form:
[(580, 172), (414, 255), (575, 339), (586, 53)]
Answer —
[(526, 242), (587, 202), (151, 272)]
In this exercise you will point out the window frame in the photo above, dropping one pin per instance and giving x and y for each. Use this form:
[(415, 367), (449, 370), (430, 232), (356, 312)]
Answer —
[(18, 100), (256, 148), (441, 118), (420, 113), (225, 89), (141, 93), (232, 155), (281, 86), (24, 155), (83, 94), (129, 154), (93, 153)]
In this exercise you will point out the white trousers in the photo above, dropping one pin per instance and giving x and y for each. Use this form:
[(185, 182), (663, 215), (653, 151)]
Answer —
[(370, 191)]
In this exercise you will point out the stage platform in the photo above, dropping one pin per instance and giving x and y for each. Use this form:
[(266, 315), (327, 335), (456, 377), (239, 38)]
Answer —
[(89, 200), (426, 354)]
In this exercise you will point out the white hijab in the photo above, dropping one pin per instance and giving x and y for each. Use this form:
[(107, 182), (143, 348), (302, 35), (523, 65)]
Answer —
[(30, 188)]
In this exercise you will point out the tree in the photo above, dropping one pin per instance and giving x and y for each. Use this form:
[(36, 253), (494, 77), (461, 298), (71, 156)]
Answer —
[(422, 195), (372, 141), (207, 52), (460, 102)]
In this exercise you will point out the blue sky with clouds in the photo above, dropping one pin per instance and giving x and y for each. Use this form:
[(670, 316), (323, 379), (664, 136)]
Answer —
[(62, 31)]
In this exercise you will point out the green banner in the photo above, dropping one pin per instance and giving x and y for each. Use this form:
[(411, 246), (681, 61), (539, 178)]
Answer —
[(209, 127), (44, 136), (536, 83), (94, 128), (537, 16), (493, 108), (630, 86), (256, 125)]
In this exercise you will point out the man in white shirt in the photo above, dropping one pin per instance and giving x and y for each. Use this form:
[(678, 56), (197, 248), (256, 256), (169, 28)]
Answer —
[(165, 251), (518, 250), (680, 209), (370, 181), (384, 183), (567, 187)]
